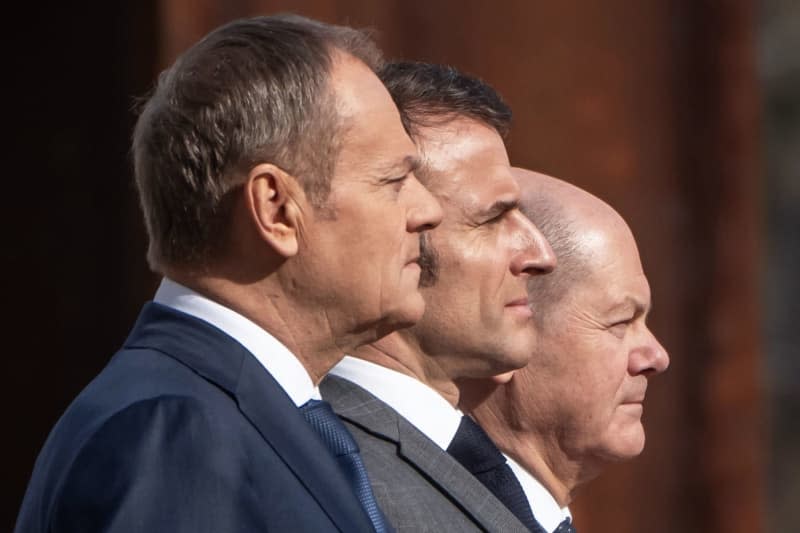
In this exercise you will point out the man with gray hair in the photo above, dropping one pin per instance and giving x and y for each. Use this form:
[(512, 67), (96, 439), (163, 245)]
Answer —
[(577, 406), (278, 190)]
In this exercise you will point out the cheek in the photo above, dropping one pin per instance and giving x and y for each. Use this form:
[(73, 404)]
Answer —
[(384, 243), (594, 380), (480, 271), (454, 267), (617, 431), (600, 358), (602, 386), (593, 401)]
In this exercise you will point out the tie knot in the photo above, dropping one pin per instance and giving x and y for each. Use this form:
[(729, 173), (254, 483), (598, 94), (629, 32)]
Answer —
[(320, 415), (473, 448), (565, 527)]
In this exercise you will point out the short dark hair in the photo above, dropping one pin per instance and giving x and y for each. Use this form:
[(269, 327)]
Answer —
[(252, 91), (429, 95)]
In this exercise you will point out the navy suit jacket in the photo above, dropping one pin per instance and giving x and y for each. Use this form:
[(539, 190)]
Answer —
[(185, 431)]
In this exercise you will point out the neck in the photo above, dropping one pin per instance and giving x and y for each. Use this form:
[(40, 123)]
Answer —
[(264, 302), (558, 477), (400, 353), (538, 452)]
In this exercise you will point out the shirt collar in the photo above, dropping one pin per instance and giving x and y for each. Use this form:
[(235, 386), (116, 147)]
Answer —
[(545, 508), (276, 358), (421, 405)]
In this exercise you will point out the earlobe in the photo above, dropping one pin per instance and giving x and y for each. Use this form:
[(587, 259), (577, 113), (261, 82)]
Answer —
[(502, 379), (270, 196)]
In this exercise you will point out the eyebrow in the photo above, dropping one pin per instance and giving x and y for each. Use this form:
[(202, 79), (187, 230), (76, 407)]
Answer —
[(638, 307), (499, 207), (409, 163)]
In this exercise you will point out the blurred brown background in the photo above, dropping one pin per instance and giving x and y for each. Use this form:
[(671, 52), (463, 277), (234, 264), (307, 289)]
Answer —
[(684, 115)]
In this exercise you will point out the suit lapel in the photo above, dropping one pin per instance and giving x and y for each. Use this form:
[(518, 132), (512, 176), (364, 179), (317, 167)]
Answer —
[(361, 408), (223, 361), (283, 426), (451, 477)]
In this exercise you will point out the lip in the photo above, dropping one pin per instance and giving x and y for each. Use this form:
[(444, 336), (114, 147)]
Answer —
[(637, 395), (633, 402), (634, 408), (520, 305)]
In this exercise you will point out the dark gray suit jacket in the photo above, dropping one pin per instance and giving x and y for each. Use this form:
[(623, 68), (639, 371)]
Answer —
[(419, 486)]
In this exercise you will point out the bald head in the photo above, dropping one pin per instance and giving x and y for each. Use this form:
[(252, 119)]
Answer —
[(578, 226), (578, 404)]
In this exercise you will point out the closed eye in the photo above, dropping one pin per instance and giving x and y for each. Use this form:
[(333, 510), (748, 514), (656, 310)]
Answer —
[(495, 219), (397, 182), (619, 328), (497, 211)]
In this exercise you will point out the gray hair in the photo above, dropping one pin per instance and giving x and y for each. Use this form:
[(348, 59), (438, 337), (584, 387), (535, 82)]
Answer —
[(252, 91)]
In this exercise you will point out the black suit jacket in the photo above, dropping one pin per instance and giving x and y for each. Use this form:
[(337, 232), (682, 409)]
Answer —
[(185, 431)]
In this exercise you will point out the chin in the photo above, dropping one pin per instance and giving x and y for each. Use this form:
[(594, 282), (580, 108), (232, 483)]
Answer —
[(621, 440), (628, 445), (519, 347), (516, 359), (497, 366), (404, 316)]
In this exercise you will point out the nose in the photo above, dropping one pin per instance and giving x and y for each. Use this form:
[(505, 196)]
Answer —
[(649, 358), (534, 255), (424, 212)]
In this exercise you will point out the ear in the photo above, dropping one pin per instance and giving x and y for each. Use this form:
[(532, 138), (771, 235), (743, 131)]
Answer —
[(502, 379), (271, 195)]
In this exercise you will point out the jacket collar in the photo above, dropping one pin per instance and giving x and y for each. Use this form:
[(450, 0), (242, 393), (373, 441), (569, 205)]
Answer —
[(359, 407), (221, 360)]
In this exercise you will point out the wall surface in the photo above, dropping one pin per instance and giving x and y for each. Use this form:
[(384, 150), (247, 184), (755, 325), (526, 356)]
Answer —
[(652, 106)]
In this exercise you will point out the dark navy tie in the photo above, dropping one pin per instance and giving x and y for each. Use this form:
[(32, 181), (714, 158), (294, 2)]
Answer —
[(476, 452), (340, 442), (565, 527)]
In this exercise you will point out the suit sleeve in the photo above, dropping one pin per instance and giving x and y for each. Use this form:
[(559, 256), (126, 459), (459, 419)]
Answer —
[(163, 464)]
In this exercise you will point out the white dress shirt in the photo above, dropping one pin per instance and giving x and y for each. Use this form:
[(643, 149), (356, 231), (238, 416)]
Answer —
[(287, 370), (421, 405), (545, 508)]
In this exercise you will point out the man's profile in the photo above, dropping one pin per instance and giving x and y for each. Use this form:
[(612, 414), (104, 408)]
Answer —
[(399, 394), (577, 405), (278, 190)]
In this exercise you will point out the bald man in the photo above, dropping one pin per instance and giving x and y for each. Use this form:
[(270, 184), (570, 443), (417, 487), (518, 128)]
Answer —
[(577, 405)]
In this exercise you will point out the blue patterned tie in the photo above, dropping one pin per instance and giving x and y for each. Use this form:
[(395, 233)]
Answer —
[(342, 445), (476, 452), (565, 527)]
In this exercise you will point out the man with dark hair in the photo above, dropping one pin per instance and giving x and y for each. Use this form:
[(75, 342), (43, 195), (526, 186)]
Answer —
[(278, 189), (399, 395), (577, 405)]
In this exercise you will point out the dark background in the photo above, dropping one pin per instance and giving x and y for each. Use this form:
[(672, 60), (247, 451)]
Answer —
[(684, 115)]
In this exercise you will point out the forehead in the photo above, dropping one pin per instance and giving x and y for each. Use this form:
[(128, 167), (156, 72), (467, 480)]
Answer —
[(466, 164), (372, 136), (615, 277)]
